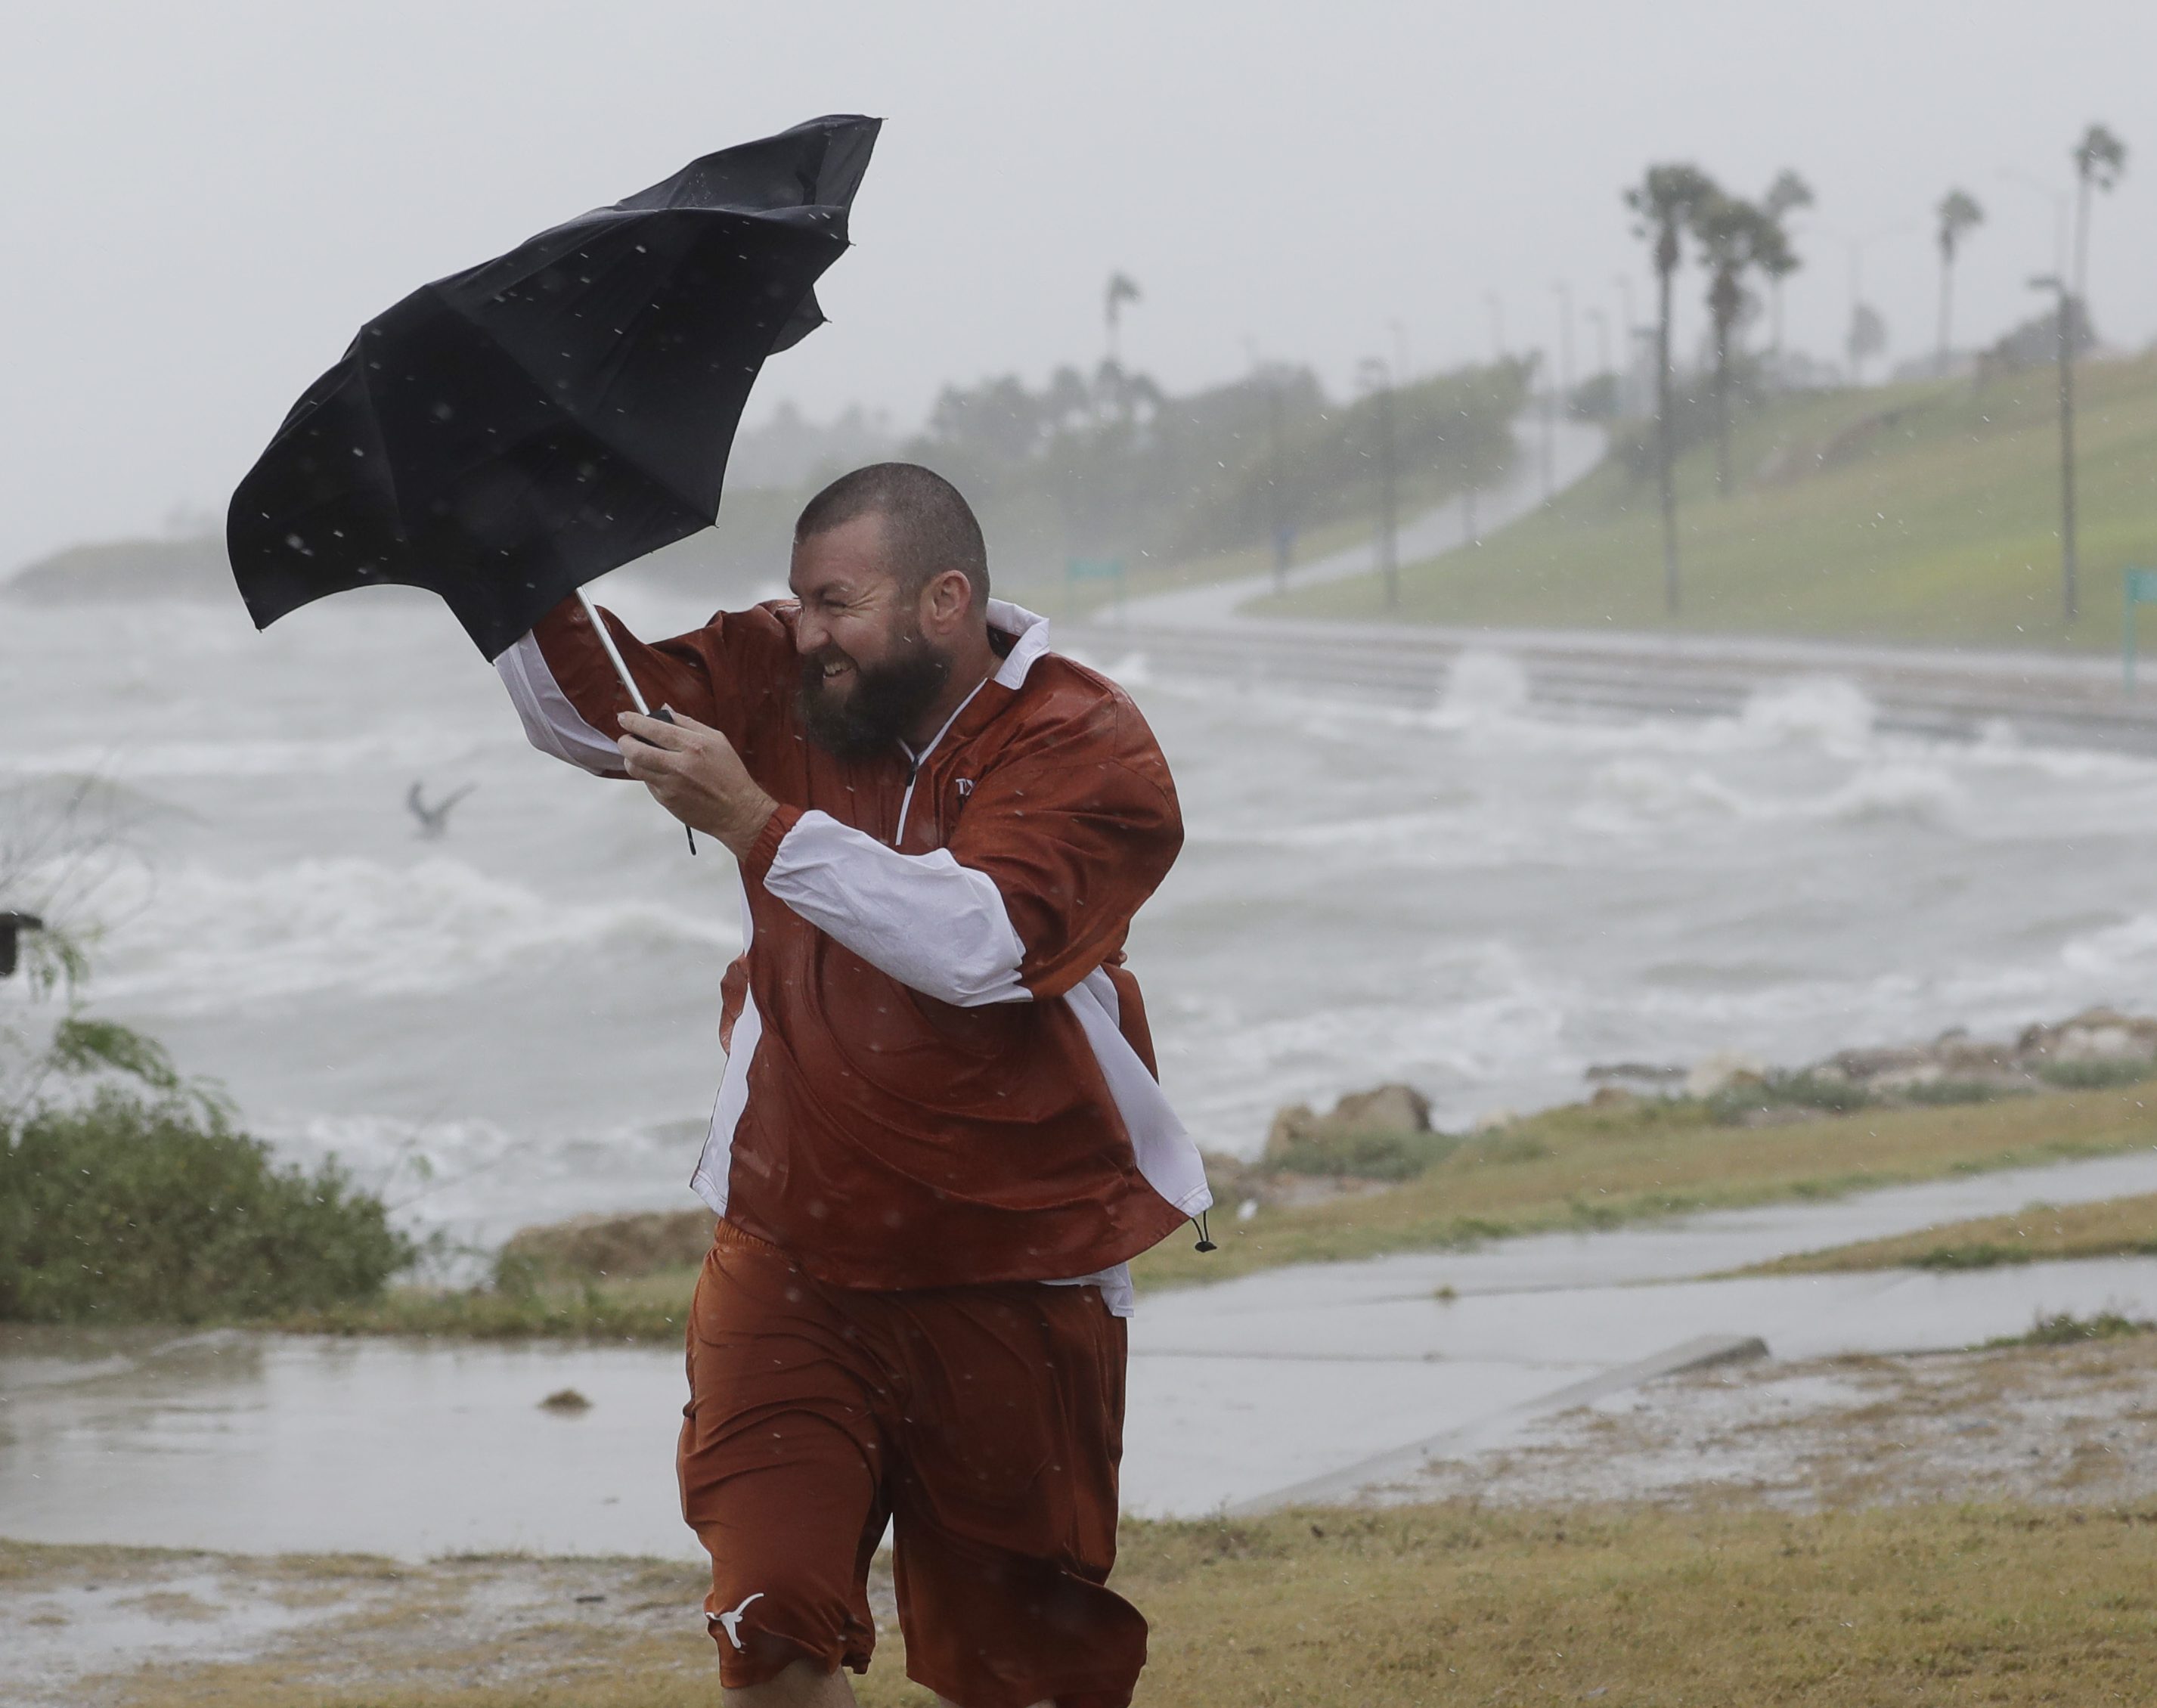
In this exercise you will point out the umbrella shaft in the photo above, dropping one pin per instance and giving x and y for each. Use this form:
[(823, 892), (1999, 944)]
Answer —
[(613, 653)]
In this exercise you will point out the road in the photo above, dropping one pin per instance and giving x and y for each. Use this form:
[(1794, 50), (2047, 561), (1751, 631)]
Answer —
[(2049, 698)]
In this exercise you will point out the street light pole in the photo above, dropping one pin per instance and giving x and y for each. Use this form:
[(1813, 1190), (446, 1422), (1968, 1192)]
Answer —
[(1376, 374), (1497, 325), (2057, 285)]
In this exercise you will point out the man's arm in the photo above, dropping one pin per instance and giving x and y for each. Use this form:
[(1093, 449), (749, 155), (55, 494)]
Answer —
[(1058, 847), (568, 697)]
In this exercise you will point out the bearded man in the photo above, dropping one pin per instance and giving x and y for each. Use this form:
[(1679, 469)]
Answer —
[(940, 1135)]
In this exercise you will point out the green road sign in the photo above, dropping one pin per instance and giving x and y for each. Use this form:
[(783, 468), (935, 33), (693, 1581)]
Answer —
[(2138, 586)]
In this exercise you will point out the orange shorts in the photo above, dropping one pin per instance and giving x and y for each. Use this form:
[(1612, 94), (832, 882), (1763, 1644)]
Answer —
[(986, 1423)]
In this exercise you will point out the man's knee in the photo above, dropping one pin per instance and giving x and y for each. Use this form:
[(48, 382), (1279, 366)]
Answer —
[(771, 1617), (801, 1684)]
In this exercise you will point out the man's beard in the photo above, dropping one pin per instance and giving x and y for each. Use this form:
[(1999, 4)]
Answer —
[(886, 700)]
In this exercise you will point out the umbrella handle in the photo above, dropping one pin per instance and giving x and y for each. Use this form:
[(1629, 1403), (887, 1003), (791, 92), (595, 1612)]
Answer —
[(621, 669)]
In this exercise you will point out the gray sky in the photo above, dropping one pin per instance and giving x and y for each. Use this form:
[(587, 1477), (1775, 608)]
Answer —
[(203, 202)]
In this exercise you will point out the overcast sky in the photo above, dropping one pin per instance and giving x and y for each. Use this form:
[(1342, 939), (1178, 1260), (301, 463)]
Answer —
[(202, 201)]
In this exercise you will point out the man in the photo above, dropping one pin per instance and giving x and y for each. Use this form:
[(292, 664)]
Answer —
[(940, 1136)]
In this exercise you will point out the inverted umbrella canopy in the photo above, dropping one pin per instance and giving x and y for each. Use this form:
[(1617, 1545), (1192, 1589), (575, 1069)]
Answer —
[(505, 435)]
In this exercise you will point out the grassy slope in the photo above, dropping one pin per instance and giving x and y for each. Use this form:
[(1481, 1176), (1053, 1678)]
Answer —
[(2005, 1606), (1940, 526), (1574, 1167), (2114, 1227)]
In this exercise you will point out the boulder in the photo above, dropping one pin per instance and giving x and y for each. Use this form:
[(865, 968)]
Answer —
[(2094, 1035), (1385, 1108), (589, 1246)]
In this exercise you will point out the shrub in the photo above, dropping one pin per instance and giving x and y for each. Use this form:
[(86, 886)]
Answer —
[(2098, 1076), (1829, 1094), (128, 1208), (1372, 1155)]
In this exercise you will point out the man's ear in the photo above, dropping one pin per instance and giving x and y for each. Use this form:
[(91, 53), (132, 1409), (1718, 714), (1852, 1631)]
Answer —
[(946, 602)]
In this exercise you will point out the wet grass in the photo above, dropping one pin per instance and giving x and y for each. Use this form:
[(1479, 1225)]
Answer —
[(1934, 523), (2066, 1329), (2005, 1606), (1579, 1167), (1589, 1167), (2114, 1227)]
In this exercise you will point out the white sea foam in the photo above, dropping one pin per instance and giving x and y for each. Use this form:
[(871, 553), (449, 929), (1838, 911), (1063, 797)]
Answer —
[(196, 939)]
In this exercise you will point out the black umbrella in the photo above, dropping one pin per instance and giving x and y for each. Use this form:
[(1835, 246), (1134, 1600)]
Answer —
[(505, 435)]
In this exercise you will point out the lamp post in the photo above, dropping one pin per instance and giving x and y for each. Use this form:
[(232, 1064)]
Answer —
[(1379, 378), (1628, 340), (1497, 325), (2057, 285), (1601, 322)]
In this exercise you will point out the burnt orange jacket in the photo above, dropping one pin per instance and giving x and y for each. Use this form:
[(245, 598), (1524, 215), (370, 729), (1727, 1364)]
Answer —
[(939, 1071)]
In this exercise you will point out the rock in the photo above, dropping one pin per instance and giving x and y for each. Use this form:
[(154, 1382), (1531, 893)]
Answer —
[(1385, 1108), (1723, 1070), (1646, 1072), (589, 1246), (2094, 1035)]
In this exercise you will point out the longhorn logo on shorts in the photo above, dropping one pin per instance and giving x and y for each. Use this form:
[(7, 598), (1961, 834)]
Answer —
[(731, 1622)]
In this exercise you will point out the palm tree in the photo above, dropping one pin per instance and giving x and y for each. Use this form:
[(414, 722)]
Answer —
[(1958, 213), (1663, 204), (1784, 197), (1735, 237), (2100, 158)]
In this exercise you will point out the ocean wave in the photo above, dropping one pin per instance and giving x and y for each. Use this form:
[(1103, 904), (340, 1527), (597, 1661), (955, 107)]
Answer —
[(414, 747), (194, 938), (1641, 794)]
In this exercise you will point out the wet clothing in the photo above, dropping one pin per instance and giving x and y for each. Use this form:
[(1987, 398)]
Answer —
[(939, 1071), (940, 1095), (986, 1423)]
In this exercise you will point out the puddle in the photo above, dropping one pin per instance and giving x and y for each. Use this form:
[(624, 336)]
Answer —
[(265, 1443)]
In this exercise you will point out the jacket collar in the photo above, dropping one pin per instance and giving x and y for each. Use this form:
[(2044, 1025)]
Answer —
[(1029, 634)]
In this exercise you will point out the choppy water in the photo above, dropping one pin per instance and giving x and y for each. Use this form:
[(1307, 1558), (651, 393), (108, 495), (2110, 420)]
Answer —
[(516, 1022)]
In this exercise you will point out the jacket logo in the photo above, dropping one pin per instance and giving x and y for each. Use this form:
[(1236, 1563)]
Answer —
[(965, 787), (731, 1622)]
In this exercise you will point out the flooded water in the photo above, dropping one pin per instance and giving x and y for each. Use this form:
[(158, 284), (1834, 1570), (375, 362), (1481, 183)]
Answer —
[(261, 1444), (515, 1023)]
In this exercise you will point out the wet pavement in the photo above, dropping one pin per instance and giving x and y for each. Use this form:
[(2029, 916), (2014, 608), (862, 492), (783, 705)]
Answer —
[(266, 1444)]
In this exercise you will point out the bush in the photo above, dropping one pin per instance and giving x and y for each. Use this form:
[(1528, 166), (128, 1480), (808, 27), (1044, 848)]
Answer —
[(129, 1208), (2104, 1075), (1828, 1094), (1366, 1155)]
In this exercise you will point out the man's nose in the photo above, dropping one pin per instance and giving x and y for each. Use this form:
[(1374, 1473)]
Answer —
[(809, 634)]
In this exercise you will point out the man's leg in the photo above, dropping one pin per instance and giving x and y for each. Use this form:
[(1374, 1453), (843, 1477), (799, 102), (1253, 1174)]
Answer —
[(801, 1686), (780, 1461), (1003, 1487)]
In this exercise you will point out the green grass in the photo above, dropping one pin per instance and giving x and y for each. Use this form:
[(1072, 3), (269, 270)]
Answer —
[(2113, 1227), (1578, 1167), (1938, 523), (2068, 1330), (2007, 1606), (1588, 1167)]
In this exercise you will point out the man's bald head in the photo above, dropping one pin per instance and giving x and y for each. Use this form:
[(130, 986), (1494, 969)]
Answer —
[(927, 526)]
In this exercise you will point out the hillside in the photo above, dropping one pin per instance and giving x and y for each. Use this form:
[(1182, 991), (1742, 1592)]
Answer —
[(1922, 513)]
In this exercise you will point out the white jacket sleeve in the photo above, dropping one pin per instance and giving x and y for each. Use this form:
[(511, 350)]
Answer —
[(934, 925), (551, 723)]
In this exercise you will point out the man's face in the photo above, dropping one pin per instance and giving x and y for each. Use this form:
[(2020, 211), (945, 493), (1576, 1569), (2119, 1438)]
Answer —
[(868, 671)]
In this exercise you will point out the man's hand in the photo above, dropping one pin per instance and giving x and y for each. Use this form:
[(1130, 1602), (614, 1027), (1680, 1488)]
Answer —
[(696, 774)]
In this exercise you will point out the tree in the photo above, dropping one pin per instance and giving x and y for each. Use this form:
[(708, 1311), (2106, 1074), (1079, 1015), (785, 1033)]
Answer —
[(1867, 337), (1663, 204), (1959, 215), (1784, 197), (1735, 237), (1121, 289), (2100, 160)]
